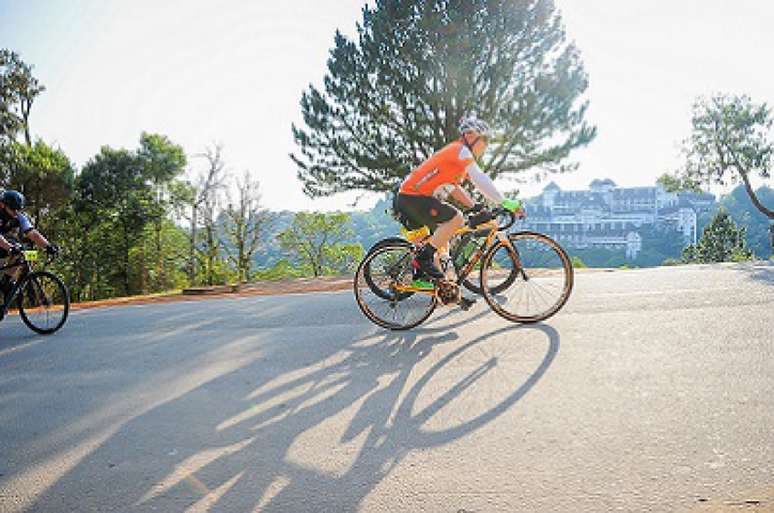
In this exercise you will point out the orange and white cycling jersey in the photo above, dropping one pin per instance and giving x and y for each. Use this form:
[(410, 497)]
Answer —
[(440, 173)]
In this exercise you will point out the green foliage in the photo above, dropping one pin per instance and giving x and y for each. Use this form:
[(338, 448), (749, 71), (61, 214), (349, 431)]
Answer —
[(44, 175), (244, 223), (321, 242), (577, 262), (721, 241), (121, 207), (374, 225), (113, 191), (159, 158), (18, 90), (730, 141), (157, 270), (394, 96), (672, 183), (281, 270), (598, 257), (744, 213)]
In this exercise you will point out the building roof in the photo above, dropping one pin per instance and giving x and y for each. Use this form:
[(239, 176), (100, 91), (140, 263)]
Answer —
[(634, 193)]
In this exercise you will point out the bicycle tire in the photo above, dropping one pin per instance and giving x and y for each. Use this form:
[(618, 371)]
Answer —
[(364, 283), (42, 302), (476, 289), (367, 271), (551, 271)]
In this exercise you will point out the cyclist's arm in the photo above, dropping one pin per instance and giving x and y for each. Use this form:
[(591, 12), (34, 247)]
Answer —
[(36, 237), (30, 232), (484, 184), (4, 244)]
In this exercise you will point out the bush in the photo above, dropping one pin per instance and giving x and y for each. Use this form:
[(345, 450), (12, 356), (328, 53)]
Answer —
[(577, 263), (281, 270)]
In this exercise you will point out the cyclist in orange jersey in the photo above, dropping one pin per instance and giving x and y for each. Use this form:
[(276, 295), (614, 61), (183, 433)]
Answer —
[(422, 194)]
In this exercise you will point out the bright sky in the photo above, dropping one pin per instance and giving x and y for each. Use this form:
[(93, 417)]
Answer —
[(233, 72)]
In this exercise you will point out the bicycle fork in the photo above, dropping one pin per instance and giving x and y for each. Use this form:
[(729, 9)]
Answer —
[(514, 253)]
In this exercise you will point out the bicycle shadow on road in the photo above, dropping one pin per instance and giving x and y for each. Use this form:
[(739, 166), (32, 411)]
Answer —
[(321, 434)]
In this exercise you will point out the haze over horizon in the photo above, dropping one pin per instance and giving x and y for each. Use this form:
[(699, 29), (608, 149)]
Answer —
[(234, 73)]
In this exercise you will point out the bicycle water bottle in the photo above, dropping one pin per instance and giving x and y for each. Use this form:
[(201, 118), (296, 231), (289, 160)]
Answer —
[(466, 247)]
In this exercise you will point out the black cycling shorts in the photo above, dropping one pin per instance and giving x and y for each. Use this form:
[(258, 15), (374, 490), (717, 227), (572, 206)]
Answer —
[(425, 210)]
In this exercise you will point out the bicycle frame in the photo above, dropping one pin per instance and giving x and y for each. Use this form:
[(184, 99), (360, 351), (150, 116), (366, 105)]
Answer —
[(494, 233), (26, 269)]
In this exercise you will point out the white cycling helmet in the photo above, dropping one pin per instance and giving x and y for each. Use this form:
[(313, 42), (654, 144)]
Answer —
[(472, 123)]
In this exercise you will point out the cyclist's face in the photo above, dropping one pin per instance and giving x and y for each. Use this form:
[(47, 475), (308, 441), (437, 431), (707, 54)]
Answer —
[(480, 143), (10, 211)]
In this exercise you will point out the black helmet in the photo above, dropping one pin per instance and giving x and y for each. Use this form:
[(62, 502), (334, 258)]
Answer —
[(13, 199)]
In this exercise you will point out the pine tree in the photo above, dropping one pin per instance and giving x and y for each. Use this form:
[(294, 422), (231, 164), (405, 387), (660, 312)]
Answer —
[(394, 96), (721, 241)]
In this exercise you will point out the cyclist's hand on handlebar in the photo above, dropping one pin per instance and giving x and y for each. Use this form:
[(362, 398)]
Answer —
[(52, 250), (478, 207), (515, 207), (15, 249), (480, 217)]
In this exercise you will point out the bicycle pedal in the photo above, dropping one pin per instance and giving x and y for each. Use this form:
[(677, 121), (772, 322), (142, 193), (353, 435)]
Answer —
[(466, 303)]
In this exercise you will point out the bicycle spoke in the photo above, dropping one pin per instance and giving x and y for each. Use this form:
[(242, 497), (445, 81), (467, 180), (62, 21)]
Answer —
[(543, 284), (375, 289)]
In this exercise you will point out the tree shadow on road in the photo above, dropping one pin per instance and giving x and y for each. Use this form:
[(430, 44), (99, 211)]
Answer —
[(320, 431), (759, 271)]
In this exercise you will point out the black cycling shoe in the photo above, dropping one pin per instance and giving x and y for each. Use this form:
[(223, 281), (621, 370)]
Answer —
[(426, 263), (467, 303)]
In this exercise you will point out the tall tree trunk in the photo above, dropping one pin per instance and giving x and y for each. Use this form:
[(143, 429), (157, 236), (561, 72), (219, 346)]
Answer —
[(753, 197), (192, 256), (125, 271), (160, 273), (26, 106)]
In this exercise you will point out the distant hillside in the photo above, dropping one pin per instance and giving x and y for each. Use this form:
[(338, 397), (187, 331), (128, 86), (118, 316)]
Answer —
[(658, 245)]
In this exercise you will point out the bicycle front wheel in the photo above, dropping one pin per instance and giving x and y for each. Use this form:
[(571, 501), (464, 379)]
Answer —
[(378, 280), (544, 277), (44, 302)]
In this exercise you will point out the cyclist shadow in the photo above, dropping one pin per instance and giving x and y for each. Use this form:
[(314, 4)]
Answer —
[(395, 419), (284, 456), (319, 433), (462, 317), (455, 314)]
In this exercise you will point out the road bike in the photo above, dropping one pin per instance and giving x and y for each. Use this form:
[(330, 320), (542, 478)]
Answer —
[(42, 299), (524, 276)]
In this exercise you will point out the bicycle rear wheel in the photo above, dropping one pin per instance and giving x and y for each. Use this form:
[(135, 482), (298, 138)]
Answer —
[(44, 302), (378, 276), (544, 277)]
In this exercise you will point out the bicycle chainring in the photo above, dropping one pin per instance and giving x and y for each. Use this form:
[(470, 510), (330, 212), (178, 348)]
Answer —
[(448, 292)]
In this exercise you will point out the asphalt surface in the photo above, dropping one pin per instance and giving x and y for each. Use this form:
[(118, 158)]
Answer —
[(652, 390)]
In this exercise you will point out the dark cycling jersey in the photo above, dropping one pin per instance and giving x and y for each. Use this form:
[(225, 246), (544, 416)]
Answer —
[(10, 223)]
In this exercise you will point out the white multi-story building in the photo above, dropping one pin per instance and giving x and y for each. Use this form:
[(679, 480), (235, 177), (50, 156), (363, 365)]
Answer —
[(607, 216)]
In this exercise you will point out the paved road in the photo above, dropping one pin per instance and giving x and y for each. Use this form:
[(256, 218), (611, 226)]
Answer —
[(653, 390)]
